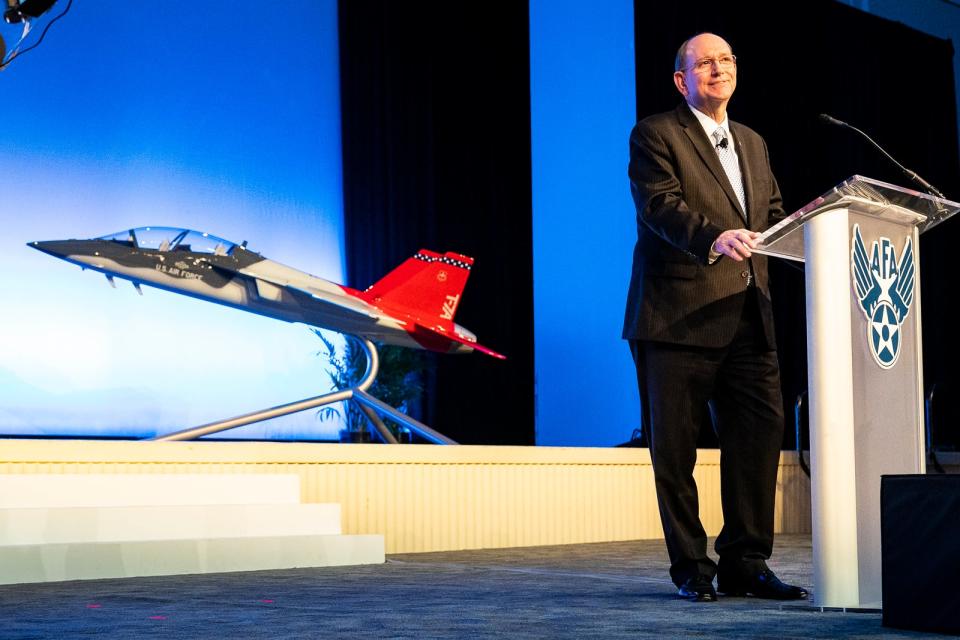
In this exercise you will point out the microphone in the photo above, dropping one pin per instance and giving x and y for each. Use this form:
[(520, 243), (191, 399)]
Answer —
[(722, 144), (833, 121), (929, 188)]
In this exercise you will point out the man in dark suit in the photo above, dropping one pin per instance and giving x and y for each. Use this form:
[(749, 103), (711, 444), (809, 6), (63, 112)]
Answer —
[(700, 324)]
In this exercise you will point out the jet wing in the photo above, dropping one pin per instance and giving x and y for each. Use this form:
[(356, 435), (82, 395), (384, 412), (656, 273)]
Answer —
[(339, 304), (480, 348), (454, 336), (349, 313)]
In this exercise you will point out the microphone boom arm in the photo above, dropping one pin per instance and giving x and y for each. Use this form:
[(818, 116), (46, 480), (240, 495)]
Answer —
[(910, 174)]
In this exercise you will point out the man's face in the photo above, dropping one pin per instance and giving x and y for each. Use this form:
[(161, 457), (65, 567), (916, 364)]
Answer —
[(708, 79)]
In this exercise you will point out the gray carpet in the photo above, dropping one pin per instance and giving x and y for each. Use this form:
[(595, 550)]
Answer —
[(610, 590)]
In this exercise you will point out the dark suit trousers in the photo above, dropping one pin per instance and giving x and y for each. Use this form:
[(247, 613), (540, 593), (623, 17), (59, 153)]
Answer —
[(741, 383)]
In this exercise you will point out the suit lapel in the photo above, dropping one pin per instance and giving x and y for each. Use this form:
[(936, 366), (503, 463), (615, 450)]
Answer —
[(746, 171), (693, 130)]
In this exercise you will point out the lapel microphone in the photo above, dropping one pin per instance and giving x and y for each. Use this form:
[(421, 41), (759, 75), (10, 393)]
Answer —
[(722, 144), (929, 188)]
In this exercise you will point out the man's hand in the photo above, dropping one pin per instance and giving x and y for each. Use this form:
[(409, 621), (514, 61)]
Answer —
[(736, 243)]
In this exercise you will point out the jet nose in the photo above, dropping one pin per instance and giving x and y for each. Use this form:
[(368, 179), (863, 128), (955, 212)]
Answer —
[(56, 248)]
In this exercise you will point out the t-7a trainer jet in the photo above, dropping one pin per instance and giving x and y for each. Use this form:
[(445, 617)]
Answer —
[(412, 306)]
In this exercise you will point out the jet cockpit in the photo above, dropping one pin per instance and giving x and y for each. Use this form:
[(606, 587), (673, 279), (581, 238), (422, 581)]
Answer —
[(173, 239)]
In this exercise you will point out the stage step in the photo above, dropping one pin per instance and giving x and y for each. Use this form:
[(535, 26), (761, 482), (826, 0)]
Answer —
[(118, 490), (108, 524), (86, 561), (81, 527)]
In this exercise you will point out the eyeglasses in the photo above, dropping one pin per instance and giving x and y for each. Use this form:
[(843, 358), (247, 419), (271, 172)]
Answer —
[(705, 65)]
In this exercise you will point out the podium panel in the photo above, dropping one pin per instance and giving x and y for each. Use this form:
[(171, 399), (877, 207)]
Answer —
[(866, 391), (865, 371)]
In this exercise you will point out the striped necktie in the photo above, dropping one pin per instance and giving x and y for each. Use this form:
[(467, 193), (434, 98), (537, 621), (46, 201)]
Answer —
[(730, 165)]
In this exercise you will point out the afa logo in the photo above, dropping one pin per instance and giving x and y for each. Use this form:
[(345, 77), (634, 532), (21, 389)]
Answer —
[(884, 288)]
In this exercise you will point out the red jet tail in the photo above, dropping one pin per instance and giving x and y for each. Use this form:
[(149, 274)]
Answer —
[(426, 289)]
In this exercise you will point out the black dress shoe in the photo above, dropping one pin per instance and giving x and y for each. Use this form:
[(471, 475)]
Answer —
[(698, 589), (761, 585)]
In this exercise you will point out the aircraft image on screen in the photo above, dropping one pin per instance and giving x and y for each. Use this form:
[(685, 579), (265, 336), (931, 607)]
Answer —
[(412, 306)]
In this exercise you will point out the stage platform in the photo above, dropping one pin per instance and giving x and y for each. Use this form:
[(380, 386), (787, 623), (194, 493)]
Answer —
[(425, 498), (608, 590)]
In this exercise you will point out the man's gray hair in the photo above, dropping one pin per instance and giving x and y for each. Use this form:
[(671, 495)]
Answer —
[(682, 54)]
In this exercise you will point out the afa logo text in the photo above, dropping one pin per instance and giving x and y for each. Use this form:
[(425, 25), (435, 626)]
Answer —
[(884, 288)]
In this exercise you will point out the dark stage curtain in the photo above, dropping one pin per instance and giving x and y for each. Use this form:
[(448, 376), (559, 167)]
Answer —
[(802, 58), (435, 104)]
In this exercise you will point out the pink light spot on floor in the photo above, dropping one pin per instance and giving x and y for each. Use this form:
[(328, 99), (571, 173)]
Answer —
[(267, 601), (93, 606), (158, 617)]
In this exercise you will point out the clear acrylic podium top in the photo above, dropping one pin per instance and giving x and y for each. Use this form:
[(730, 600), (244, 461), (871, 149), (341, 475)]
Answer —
[(785, 239)]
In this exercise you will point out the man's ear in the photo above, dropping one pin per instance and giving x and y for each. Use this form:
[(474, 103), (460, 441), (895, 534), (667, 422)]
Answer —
[(681, 83)]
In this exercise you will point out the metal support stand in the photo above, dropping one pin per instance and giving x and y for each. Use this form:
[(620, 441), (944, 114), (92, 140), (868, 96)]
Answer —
[(371, 407)]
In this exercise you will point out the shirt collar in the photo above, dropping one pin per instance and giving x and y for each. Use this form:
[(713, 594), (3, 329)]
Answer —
[(709, 124)]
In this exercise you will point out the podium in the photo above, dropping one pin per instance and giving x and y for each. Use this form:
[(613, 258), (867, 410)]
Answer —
[(859, 243)]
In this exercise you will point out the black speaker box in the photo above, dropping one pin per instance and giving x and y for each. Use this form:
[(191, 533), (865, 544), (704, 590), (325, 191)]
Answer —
[(920, 540)]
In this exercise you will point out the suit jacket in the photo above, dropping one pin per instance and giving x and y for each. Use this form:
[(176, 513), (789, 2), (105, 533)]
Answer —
[(684, 200)]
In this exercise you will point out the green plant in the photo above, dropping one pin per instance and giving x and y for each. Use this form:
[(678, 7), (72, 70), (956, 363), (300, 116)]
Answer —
[(398, 382), (344, 368)]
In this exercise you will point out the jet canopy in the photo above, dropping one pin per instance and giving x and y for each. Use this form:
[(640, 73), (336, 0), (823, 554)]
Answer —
[(172, 239)]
